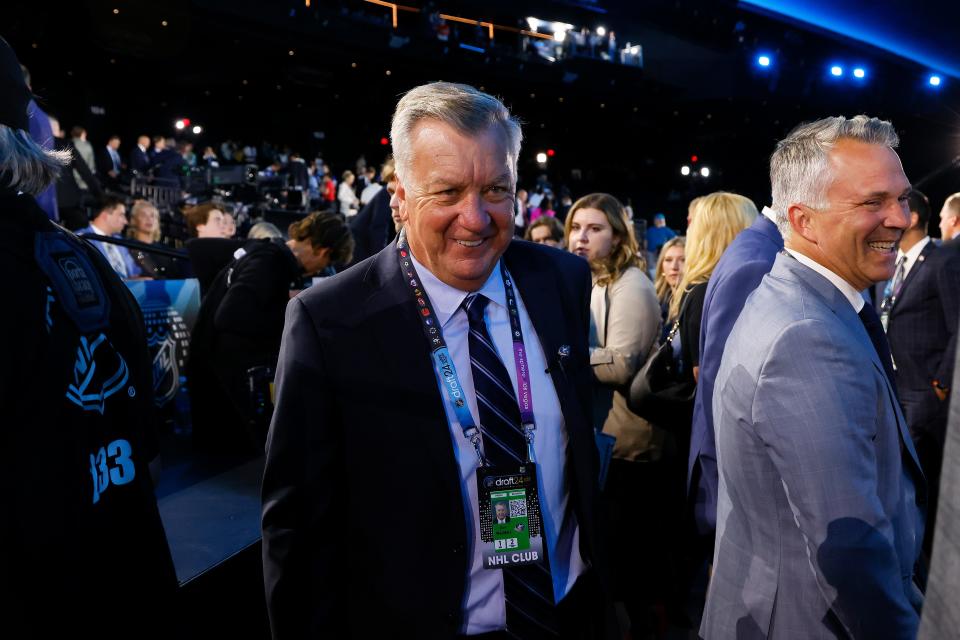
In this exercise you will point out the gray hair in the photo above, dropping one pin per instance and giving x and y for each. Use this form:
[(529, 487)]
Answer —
[(461, 106), (25, 165), (800, 166), (264, 231)]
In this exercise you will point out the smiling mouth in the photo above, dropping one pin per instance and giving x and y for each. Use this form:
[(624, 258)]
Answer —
[(884, 247), (470, 244)]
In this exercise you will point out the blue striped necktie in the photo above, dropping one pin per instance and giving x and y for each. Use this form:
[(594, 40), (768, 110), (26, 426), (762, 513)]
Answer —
[(531, 612)]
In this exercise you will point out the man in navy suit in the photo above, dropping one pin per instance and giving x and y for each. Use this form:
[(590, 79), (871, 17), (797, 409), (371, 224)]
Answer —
[(748, 258), (139, 158), (366, 418), (921, 310)]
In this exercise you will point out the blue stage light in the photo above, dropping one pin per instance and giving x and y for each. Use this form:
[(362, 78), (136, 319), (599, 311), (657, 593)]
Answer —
[(934, 81), (763, 61), (836, 70), (859, 73)]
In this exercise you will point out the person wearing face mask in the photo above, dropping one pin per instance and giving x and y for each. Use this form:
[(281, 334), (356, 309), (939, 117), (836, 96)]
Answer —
[(624, 324), (241, 321)]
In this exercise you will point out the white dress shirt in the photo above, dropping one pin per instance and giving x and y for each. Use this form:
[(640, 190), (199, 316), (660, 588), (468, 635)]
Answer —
[(912, 255), (769, 214), (113, 254), (848, 290), (484, 608)]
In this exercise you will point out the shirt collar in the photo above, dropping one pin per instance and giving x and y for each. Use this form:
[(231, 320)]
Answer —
[(770, 214), (914, 251), (99, 232), (446, 299), (849, 292)]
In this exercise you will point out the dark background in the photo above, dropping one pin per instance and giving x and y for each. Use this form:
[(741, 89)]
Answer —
[(227, 66)]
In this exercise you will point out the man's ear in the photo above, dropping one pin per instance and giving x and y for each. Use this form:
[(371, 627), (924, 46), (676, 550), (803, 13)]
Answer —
[(914, 220), (403, 211), (802, 222)]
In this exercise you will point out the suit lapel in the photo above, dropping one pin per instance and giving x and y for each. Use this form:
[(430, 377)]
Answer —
[(538, 287), (914, 270), (841, 307), (396, 330)]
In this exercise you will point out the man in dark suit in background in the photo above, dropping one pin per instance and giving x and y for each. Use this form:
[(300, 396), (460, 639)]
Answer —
[(921, 308), (364, 422), (139, 159), (109, 164), (748, 258)]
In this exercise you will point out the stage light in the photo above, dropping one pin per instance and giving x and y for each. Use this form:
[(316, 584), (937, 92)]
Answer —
[(763, 61), (601, 31), (934, 80), (836, 70), (684, 170), (705, 172), (179, 125), (560, 36), (533, 23), (384, 141), (197, 129), (551, 152), (541, 158), (694, 158), (859, 73)]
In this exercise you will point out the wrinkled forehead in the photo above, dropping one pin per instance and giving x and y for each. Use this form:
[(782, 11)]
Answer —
[(442, 146)]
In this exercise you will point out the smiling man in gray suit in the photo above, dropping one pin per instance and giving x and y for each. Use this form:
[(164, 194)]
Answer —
[(819, 520)]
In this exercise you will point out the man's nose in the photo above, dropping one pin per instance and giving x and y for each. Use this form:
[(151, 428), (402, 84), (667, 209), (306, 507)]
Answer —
[(898, 217), (473, 213)]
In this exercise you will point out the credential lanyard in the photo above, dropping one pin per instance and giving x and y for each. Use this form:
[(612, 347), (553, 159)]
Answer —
[(443, 362)]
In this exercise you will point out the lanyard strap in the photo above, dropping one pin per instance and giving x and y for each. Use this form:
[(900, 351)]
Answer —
[(443, 364)]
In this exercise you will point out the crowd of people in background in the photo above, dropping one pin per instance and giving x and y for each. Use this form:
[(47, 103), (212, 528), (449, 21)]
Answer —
[(646, 290)]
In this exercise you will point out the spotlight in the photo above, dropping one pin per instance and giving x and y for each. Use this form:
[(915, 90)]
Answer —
[(836, 70), (705, 172), (541, 158), (684, 170), (560, 36), (179, 125), (197, 129), (384, 141), (859, 73), (934, 80), (601, 31), (551, 153), (763, 61)]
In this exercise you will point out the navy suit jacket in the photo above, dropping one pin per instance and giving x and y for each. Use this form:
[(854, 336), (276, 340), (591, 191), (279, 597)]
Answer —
[(139, 161), (741, 268), (922, 330), (359, 434)]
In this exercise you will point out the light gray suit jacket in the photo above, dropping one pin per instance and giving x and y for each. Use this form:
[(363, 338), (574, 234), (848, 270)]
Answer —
[(941, 615), (820, 516)]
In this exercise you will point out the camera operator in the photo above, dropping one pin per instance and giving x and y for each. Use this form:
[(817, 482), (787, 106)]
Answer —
[(241, 322)]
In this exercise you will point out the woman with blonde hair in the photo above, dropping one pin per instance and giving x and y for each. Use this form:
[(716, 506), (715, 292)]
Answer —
[(669, 271), (624, 326), (145, 227)]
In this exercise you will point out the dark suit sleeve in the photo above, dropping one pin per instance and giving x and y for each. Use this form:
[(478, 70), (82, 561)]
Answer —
[(948, 289), (255, 283), (304, 587)]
